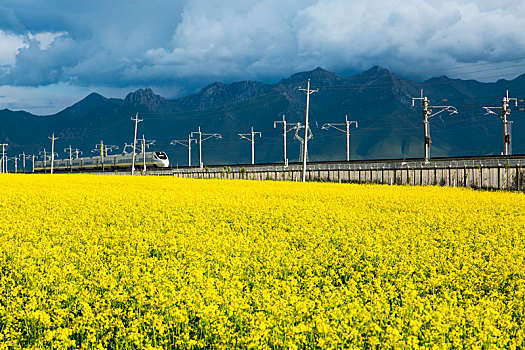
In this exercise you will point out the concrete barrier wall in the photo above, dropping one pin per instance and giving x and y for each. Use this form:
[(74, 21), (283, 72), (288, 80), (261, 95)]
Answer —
[(499, 176)]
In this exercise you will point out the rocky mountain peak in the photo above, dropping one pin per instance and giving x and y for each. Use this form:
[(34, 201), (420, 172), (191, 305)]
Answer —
[(377, 72), (144, 99), (218, 94), (318, 74)]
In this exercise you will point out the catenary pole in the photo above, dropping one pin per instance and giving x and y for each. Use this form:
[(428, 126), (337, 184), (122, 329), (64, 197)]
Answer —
[(347, 125), (185, 143), (201, 140), (45, 159), (144, 154), (3, 168), (505, 111), (285, 157), (23, 155), (251, 137), (427, 114), (70, 157)]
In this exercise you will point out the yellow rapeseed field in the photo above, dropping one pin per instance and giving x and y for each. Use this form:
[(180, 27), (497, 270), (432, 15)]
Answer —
[(123, 262)]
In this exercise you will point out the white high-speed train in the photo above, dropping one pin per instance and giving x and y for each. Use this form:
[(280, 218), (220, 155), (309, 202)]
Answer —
[(110, 162)]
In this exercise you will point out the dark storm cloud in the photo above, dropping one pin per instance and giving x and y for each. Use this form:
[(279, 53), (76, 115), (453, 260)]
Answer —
[(124, 43)]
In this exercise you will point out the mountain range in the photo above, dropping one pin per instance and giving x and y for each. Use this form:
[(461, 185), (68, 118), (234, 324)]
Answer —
[(379, 100)]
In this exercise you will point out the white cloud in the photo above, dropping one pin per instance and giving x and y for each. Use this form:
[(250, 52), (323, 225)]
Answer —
[(271, 38), (189, 43), (45, 39), (10, 44)]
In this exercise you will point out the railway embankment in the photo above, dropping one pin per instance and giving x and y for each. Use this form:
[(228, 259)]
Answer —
[(491, 173)]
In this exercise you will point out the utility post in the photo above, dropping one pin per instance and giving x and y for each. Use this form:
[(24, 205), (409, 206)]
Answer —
[(505, 111), (306, 125), (99, 149), (53, 139), (145, 144), (285, 131), (3, 167), (32, 157), (103, 149), (33, 163), (427, 114), (70, 157), (201, 134), (143, 154), (15, 159), (102, 153), (185, 143), (77, 152), (251, 137), (22, 157), (45, 159), (348, 123), (137, 120)]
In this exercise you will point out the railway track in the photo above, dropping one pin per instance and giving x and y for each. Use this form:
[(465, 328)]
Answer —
[(363, 162)]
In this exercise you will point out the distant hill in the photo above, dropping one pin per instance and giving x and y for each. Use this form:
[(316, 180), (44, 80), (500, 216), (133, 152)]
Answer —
[(377, 98)]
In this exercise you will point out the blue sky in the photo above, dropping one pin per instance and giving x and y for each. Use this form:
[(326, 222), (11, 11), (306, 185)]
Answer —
[(54, 52)]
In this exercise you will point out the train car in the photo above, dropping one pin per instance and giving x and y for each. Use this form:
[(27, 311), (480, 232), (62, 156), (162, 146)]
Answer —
[(110, 162)]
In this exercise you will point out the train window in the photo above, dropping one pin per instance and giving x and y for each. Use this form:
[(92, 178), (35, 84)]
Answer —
[(161, 155)]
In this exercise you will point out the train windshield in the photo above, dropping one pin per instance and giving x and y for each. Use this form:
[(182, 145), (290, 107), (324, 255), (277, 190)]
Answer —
[(161, 155)]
